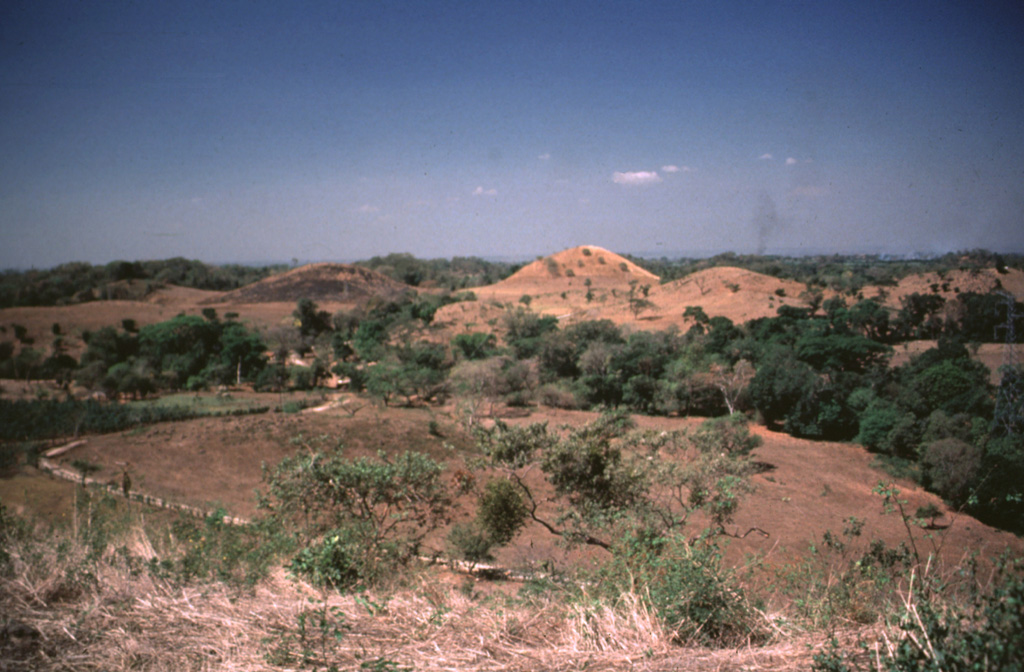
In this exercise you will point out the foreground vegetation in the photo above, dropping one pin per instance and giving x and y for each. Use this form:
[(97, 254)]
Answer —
[(118, 586)]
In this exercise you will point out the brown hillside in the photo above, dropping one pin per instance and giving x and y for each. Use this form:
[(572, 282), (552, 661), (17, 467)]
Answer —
[(585, 261), (336, 283), (950, 284), (557, 284), (567, 270), (735, 293), (807, 487)]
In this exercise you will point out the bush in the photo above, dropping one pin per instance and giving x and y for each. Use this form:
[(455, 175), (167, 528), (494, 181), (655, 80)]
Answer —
[(469, 542), (356, 520), (558, 396), (335, 561), (686, 585), (935, 635), (951, 467), (501, 513), (728, 435)]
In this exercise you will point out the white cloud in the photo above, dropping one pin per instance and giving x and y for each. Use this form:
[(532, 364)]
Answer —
[(791, 161), (636, 177), (766, 157), (544, 157), (480, 191), (676, 169), (367, 209)]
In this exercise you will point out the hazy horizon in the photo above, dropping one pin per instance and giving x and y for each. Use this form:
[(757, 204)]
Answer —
[(341, 131)]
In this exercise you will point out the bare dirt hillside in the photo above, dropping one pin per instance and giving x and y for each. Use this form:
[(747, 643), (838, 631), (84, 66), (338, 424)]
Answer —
[(735, 293), (585, 261), (588, 283), (576, 283), (949, 285), (339, 283), (264, 304), (805, 488)]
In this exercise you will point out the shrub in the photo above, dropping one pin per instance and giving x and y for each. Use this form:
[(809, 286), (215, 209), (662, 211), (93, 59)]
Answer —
[(502, 512), (335, 561), (950, 467), (469, 542), (558, 396), (356, 520), (685, 583), (877, 421), (935, 634), (728, 435), (475, 345)]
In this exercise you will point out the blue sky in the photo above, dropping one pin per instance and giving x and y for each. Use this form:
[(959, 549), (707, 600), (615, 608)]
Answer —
[(254, 131)]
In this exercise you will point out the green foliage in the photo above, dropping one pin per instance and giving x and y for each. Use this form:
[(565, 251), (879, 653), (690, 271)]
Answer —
[(312, 322), (1008, 416), (22, 420), (525, 331), (475, 345), (415, 370), (728, 436), (610, 479), (78, 282), (514, 446), (214, 549), (469, 542), (876, 423), (841, 352), (950, 467), (919, 316), (951, 386), (780, 383), (355, 520), (501, 511), (337, 560), (589, 470), (186, 351), (934, 635), (839, 581), (453, 274), (1000, 491), (983, 317), (370, 339), (698, 599)]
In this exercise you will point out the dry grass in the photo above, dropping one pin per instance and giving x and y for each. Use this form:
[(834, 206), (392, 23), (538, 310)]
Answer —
[(107, 614)]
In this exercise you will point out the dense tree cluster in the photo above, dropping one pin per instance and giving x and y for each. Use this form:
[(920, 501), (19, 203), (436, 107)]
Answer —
[(187, 351), (452, 274), (78, 282), (841, 273)]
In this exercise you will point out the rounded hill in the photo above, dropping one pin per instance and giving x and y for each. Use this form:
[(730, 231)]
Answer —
[(339, 283), (585, 261)]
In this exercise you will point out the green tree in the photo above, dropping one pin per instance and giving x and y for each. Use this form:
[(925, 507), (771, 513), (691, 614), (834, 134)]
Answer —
[(354, 520), (637, 297), (475, 345), (312, 322), (610, 479), (780, 383), (525, 330), (240, 355)]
